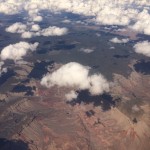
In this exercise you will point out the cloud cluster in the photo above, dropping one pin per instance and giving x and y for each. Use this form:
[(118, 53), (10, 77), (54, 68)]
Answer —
[(71, 95), (143, 48), (132, 13), (10, 7), (30, 30), (142, 22), (17, 51), (116, 40), (76, 76)]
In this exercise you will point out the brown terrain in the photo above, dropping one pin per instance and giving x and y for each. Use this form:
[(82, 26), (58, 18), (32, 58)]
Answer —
[(127, 33), (45, 121)]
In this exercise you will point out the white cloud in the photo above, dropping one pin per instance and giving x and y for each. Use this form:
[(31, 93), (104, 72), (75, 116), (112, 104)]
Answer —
[(143, 48), (98, 84), (75, 75), (66, 21), (54, 31), (71, 95), (142, 23), (17, 27), (9, 7), (86, 50), (35, 27), (116, 40), (29, 30), (2, 69), (27, 35), (17, 51), (21, 28), (133, 13), (37, 18), (112, 16)]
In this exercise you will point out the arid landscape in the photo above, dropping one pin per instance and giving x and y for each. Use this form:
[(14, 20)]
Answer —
[(45, 121), (74, 75)]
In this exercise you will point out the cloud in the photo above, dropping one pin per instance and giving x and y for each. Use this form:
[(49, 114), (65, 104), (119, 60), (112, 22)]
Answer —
[(86, 50), (33, 10), (32, 30), (142, 23), (35, 27), (116, 40), (2, 69), (27, 35), (71, 95), (75, 75), (132, 13), (143, 48), (37, 18), (112, 16), (54, 31), (17, 51), (9, 8), (21, 28), (17, 27)]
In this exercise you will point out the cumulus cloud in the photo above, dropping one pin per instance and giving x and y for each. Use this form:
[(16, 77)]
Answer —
[(86, 50), (21, 28), (143, 48), (75, 75), (33, 10), (66, 21), (112, 16), (35, 27), (32, 30), (71, 95), (27, 35), (17, 51), (17, 27), (53, 31), (142, 23), (50, 31), (10, 7), (37, 18), (116, 40), (106, 12)]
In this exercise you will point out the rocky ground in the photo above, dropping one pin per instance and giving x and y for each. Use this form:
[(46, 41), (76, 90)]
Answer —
[(38, 118)]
